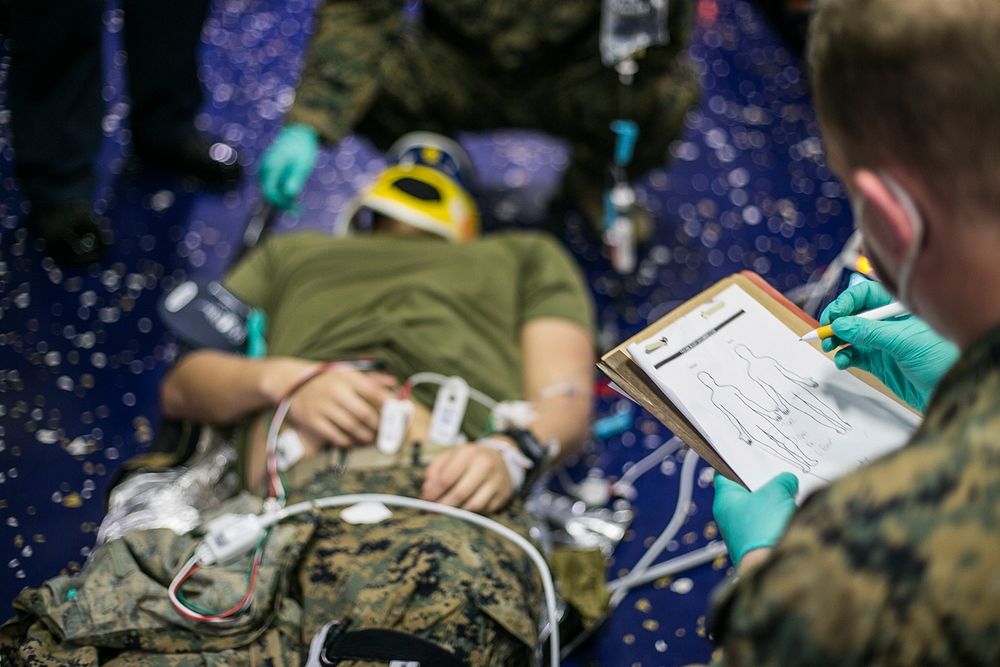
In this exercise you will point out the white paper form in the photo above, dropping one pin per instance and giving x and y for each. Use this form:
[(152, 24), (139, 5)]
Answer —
[(767, 402)]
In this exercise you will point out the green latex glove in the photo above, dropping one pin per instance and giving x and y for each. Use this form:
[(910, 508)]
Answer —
[(752, 520), (287, 164), (904, 353)]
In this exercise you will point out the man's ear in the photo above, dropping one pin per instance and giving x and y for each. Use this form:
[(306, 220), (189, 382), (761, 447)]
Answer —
[(891, 219)]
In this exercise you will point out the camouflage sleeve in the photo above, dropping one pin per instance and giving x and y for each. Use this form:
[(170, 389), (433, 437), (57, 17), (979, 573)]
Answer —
[(340, 77), (803, 606), (894, 564), (513, 33)]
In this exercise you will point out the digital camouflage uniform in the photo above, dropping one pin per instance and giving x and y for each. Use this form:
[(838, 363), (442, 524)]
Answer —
[(469, 591), (116, 611), (458, 585), (897, 564), (472, 66)]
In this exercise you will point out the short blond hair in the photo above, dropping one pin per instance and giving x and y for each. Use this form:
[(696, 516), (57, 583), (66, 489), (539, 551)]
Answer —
[(914, 83)]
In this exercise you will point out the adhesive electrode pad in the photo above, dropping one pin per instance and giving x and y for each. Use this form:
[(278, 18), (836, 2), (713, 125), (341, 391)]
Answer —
[(289, 449), (449, 411)]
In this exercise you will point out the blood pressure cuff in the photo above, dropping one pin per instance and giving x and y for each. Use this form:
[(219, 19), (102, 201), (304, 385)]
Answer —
[(203, 313)]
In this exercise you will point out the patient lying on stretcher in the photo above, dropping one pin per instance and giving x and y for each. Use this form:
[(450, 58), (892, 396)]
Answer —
[(508, 313), (421, 292)]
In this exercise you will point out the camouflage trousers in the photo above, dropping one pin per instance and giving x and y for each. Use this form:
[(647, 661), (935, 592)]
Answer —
[(454, 584)]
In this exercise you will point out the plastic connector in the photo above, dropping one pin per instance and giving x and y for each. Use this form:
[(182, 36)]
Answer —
[(229, 537)]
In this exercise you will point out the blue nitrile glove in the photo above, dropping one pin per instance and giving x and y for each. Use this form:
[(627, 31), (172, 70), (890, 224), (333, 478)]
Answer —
[(256, 326), (287, 164), (752, 520), (904, 353)]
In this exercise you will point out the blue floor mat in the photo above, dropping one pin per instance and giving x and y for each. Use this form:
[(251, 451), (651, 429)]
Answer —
[(81, 355)]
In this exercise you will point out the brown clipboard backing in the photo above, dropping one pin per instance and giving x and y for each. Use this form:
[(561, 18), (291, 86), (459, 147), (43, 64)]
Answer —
[(618, 365)]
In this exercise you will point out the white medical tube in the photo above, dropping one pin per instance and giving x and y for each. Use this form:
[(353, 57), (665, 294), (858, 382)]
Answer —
[(706, 554), (676, 521)]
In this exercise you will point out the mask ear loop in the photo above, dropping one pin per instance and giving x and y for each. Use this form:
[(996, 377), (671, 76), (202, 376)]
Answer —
[(858, 210), (917, 221)]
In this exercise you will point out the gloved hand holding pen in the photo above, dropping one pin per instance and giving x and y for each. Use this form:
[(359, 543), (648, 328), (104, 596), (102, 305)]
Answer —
[(904, 353)]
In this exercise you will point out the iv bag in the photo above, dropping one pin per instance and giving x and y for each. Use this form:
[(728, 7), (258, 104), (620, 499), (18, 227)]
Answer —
[(628, 26)]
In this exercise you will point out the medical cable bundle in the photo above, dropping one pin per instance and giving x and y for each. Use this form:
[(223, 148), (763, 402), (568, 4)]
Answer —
[(231, 536)]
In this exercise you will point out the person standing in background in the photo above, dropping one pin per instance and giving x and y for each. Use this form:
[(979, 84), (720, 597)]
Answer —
[(56, 108)]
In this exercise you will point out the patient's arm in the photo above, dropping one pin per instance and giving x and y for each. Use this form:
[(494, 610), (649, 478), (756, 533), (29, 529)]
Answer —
[(217, 387), (558, 362), (339, 406)]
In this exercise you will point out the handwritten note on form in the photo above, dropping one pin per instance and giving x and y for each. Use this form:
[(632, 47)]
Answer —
[(767, 402)]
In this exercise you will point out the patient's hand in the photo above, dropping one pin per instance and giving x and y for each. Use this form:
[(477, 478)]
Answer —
[(341, 406), (471, 476)]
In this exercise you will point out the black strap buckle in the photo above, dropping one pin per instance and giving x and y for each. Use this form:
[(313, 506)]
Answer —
[(334, 643)]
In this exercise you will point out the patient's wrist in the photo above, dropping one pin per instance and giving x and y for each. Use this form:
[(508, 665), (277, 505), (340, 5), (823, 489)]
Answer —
[(518, 465), (279, 374)]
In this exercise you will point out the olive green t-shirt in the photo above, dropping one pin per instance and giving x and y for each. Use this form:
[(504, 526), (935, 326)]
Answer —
[(416, 303)]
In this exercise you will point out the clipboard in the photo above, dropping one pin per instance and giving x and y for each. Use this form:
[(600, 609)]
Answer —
[(618, 365)]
